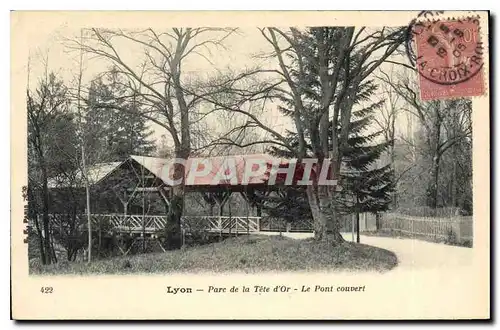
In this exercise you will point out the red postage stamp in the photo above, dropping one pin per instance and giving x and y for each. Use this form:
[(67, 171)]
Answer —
[(449, 59)]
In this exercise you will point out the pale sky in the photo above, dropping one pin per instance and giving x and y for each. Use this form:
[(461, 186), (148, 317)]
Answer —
[(241, 50), (240, 53)]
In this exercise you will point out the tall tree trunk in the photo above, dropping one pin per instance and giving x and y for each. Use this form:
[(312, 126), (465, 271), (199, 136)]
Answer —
[(173, 228), (35, 217), (53, 252), (41, 243), (393, 162), (454, 186), (99, 241), (143, 213), (333, 209), (319, 203), (357, 219), (45, 204), (432, 191), (319, 223), (87, 198), (322, 203), (45, 212)]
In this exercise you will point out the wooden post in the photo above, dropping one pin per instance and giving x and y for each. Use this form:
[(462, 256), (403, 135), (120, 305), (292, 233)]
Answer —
[(183, 233), (143, 222), (219, 220), (459, 222), (352, 226), (221, 200), (100, 240), (220, 223), (357, 227), (357, 219), (230, 218), (247, 200), (125, 206)]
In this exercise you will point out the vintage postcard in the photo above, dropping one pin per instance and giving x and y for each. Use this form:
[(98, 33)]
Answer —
[(250, 165)]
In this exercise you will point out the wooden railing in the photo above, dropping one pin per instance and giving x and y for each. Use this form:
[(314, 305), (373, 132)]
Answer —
[(223, 224), (153, 223), (133, 223), (120, 222)]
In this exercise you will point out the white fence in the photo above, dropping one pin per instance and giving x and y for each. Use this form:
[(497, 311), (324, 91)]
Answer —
[(221, 224), (367, 222), (152, 223), (459, 227)]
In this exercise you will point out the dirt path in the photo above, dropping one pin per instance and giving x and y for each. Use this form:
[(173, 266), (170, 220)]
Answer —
[(413, 254), (418, 254)]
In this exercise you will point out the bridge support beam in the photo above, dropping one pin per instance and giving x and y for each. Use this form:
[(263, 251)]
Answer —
[(221, 199)]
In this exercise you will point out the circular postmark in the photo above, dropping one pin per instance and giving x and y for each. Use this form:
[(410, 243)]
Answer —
[(448, 52), (410, 51)]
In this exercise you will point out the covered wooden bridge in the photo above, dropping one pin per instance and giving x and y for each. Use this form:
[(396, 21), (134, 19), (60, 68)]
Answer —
[(118, 190)]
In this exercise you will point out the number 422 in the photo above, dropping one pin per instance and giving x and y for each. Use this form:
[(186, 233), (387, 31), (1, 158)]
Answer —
[(46, 289)]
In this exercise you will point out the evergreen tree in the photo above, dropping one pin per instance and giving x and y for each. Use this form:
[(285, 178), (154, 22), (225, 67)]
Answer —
[(115, 135), (288, 203), (366, 186)]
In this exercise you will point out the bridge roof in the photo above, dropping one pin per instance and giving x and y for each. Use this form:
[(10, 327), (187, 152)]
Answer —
[(209, 171), (196, 173), (96, 173)]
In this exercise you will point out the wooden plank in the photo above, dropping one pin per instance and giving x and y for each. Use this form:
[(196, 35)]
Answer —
[(134, 223)]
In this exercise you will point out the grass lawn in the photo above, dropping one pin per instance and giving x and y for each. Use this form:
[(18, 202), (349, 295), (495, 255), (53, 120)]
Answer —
[(246, 254)]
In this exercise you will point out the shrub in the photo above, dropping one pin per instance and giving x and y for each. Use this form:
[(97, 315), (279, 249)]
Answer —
[(451, 238)]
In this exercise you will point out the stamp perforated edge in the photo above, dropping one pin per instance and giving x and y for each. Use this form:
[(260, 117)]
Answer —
[(440, 16)]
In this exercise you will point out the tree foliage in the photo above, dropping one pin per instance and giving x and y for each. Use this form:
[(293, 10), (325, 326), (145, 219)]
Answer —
[(115, 135), (367, 184), (49, 128)]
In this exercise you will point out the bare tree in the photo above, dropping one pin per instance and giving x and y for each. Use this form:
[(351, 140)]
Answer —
[(84, 170), (43, 104), (317, 79), (445, 123), (158, 84), (391, 108)]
